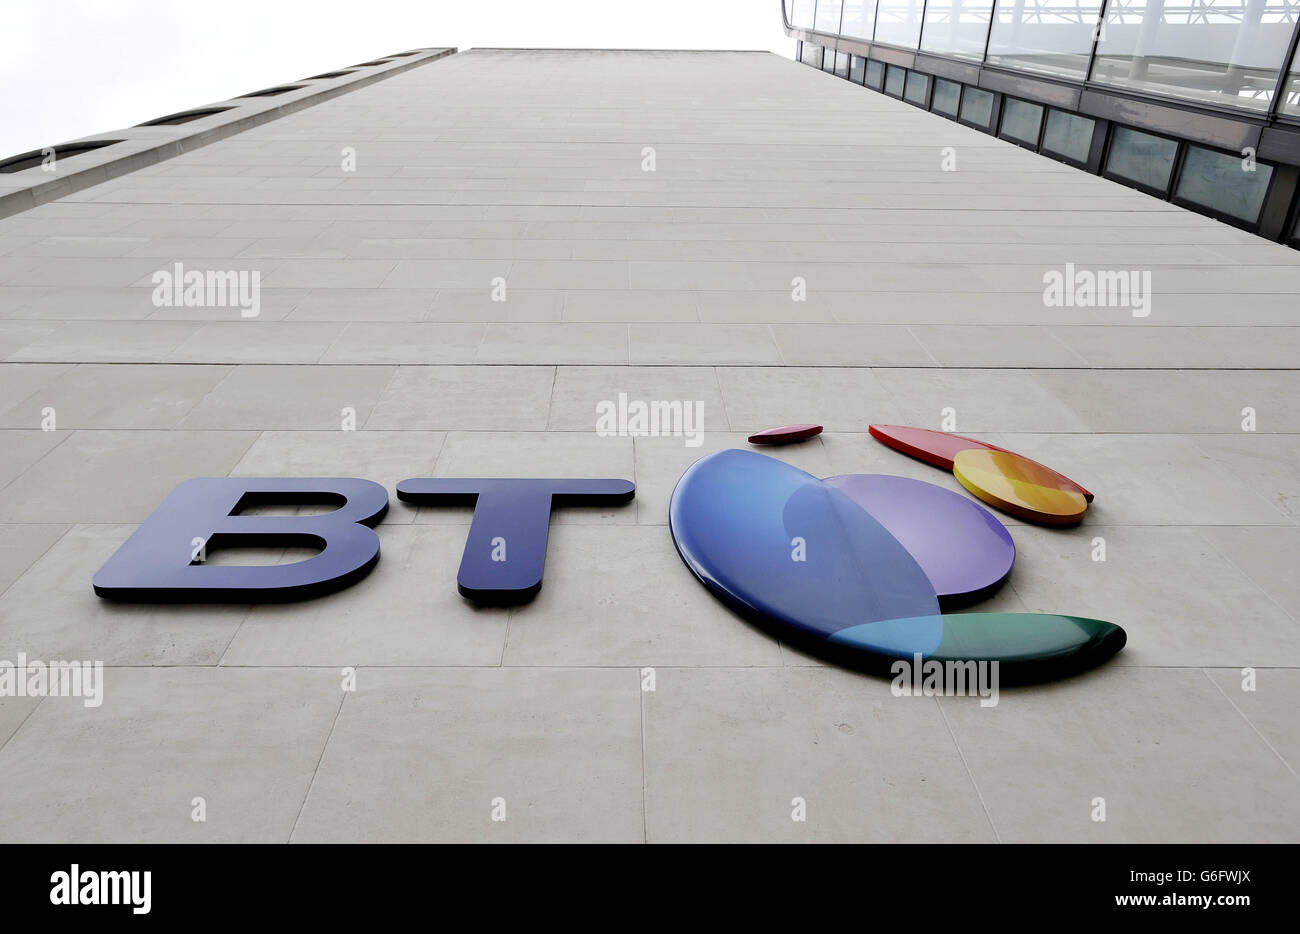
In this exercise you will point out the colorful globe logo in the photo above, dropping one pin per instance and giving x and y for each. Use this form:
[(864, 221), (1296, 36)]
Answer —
[(863, 567)]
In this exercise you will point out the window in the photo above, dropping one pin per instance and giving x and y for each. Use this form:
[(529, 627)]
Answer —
[(186, 117), (32, 159), (1145, 160), (977, 107), (859, 18), (857, 69), (1021, 121), (828, 16), (1068, 136), (898, 22), (812, 54), (1220, 51), (1049, 36), (1291, 91), (947, 98), (875, 74), (801, 13), (917, 88), (957, 27), (272, 92), (895, 78), (1223, 183), (842, 64)]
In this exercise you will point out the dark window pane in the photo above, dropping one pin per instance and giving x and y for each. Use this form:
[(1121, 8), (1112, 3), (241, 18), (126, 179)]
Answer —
[(894, 79), (875, 74), (947, 97), (1068, 135), (977, 106), (1141, 157), (857, 69), (1021, 121), (1223, 183), (917, 86)]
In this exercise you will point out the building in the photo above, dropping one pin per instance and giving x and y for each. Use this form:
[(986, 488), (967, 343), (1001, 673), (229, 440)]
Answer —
[(459, 259), (1197, 103)]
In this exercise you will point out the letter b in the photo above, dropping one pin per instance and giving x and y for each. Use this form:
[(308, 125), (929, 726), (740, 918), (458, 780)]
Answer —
[(158, 563)]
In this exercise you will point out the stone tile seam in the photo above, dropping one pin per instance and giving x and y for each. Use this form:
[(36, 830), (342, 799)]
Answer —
[(1250, 723)]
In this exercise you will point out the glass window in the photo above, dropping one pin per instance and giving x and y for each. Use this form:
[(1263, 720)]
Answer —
[(1291, 93), (977, 106), (957, 27), (894, 80), (1049, 36), (1068, 135), (859, 18), (812, 54), (857, 69), (917, 88), (875, 74), (898, 22), (1222, 183), (947, 97), (1222, 51), (828, 16), (842, 64), (801, 12), (1021, 121), (1142, 158)]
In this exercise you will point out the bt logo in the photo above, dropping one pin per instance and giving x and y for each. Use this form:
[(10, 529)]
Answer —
[(863, 567), (502, 562)]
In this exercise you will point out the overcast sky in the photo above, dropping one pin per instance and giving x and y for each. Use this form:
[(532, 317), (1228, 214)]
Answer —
[(77, 67)]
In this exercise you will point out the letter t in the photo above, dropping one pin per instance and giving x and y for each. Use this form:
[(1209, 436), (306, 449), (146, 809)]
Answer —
[(516, 511)]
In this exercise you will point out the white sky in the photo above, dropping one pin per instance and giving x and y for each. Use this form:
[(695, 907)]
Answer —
[(75, 67)]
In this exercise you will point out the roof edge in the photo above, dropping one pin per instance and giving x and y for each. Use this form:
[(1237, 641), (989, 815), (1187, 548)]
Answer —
[(124, 151)]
